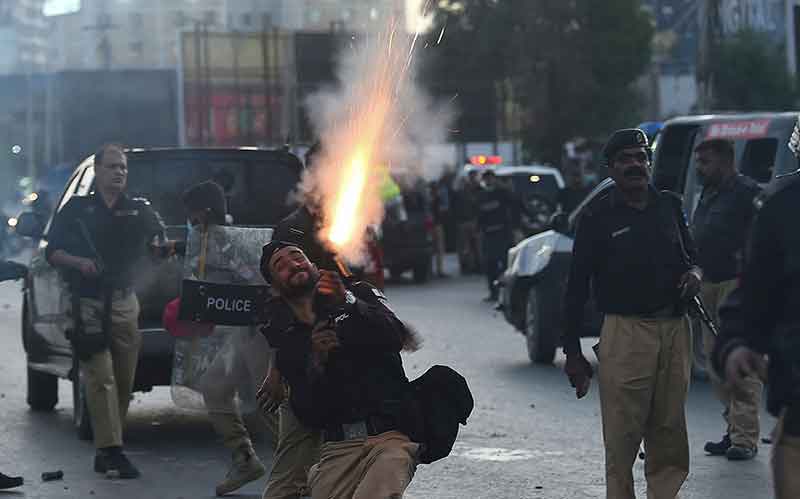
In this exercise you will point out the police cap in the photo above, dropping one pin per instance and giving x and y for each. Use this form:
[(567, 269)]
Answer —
[(624, 139), (267, 251)]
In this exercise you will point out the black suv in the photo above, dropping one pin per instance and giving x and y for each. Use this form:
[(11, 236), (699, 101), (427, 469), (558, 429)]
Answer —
[(534, 283), (257, 184)]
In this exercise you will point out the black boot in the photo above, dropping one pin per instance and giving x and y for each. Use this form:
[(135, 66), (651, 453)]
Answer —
[(718, 448), (114, 463), (9, 482)]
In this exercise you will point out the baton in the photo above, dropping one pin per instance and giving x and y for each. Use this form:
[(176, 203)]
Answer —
[(702, 312)]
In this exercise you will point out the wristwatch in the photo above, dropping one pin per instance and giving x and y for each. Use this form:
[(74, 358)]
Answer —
[(349, 297)]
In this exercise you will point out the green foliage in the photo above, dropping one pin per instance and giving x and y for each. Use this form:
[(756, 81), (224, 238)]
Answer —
[(750, 74), (570, 64)]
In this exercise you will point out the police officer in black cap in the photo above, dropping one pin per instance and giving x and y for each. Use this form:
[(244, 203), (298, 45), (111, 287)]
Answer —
[(762, 317), (633, 248)]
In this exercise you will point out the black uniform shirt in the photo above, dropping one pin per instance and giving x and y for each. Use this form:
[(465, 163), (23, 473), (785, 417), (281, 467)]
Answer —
[(496, 210), (632, 259), (720, 226), (120, 236), (364, 377), (768, 300)]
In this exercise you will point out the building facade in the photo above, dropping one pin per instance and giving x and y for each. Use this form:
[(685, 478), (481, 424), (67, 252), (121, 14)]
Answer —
[(23, 36)]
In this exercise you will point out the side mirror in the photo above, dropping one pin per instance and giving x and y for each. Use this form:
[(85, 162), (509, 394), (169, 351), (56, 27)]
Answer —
[(29, 225), (559, 222)]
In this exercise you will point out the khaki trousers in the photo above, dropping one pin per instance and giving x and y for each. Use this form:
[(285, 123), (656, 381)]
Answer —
[(740, 409), (110, 374), (239, 373), (297, 451), (644, 368), (380, 467), (785, 462)]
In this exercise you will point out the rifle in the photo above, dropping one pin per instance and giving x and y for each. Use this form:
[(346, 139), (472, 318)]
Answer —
[(696, 306)]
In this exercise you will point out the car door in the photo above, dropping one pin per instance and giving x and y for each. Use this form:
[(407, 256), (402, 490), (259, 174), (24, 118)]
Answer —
[(49, 296)]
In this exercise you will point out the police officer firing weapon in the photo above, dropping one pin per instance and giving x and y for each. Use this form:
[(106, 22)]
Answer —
[(97, 241), (633, 248), (761, 317), (340, 354)]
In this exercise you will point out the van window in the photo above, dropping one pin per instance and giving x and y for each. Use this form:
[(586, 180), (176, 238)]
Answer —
[(758, 159), (672, 155), (256, 189)]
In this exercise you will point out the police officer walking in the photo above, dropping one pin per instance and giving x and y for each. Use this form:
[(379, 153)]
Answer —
[(340, 354), (97, 240), (496, 215), (761, 317), (720, 226), (634, 250)]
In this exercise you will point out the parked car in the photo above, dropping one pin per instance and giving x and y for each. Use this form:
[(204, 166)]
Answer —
[(407, 237), (535, 186), (258, 183), (533, 286)]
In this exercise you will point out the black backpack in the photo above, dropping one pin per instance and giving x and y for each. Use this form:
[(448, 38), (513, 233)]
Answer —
[(444, 401)]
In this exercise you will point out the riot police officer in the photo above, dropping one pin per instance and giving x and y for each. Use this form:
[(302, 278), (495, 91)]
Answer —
[(763, 317), (496, 215), (633, 248), (98, 240)]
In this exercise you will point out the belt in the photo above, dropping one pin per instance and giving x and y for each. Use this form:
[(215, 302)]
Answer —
[(373, 425), (668, 312)]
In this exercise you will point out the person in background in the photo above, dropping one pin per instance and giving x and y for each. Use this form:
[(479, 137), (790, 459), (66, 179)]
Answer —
[(496, 216), (11, 270), (720, 225), (575, 189), (439, 210)]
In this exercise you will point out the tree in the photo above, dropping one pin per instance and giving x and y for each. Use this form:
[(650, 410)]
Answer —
[(750, 74), (570, 64)]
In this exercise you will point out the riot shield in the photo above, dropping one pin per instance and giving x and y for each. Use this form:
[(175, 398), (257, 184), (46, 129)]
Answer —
[(221, 357)]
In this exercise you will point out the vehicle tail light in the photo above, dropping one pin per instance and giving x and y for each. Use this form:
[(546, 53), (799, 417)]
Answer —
[(429, 224)]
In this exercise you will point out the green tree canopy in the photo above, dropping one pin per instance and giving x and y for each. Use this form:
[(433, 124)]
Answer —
[(750, 74), (566, 66)]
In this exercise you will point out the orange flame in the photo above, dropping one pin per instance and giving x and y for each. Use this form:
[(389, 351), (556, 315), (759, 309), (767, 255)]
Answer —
[(358, 141)]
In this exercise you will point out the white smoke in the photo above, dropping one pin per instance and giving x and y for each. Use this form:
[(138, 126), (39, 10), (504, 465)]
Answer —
[(378, 100)]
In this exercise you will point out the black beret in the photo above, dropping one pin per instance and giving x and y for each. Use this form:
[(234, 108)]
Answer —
[(267, 251), (624, 139), (208, 196)]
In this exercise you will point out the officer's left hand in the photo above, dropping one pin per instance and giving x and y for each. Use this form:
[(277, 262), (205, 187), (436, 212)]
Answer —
[(689, 284), (272, 392), (331, 286)]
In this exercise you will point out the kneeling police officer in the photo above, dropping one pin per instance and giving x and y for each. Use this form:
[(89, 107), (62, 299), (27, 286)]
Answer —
[(340, 354)]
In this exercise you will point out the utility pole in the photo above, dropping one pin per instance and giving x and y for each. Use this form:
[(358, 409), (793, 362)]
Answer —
[(710, 36)]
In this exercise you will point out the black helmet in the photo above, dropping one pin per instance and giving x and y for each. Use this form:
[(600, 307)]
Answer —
[(207, 196)]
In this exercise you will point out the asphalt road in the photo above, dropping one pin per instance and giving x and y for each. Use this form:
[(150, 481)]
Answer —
[(527, 438)]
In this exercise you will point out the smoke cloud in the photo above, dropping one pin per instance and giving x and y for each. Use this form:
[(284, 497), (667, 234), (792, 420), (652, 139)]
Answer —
[(379, 114)]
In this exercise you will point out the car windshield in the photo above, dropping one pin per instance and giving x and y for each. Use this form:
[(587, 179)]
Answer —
[(528, 184)]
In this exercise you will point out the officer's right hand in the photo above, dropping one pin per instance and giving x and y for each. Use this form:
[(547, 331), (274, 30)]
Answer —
[(579, 372), (86, 267), (743, 363)]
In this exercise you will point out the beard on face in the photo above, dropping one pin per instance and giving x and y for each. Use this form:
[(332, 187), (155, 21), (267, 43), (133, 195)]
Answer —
[(290, 290)]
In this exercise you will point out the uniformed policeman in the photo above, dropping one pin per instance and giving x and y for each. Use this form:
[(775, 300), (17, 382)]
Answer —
[(633, 248), (720, 225), (246, 358), (496, 215), (340, 354), (98, 240), (11, 270), (763, 317)]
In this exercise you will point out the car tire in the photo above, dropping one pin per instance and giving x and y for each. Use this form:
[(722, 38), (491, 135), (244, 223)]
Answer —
[(539, 337), (81, 419), (422, 272), (42, 390)]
